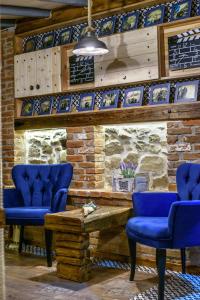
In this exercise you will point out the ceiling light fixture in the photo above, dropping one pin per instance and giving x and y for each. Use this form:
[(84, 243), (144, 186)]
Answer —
[(89, 45)]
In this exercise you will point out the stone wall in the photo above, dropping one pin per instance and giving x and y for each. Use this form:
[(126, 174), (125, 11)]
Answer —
[(45, 146), (142, 144)]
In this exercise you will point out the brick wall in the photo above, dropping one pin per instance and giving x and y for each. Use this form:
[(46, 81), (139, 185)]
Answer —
[(183, 139), (7, 104), (85, 150)]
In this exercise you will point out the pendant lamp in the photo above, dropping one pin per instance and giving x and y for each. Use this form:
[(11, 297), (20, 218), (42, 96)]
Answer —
[(89, 45)]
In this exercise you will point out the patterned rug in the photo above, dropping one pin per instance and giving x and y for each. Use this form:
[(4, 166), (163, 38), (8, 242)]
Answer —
[(178, 286)]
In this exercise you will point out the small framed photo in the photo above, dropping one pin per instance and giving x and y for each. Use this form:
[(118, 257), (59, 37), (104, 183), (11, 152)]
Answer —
[(133, 96), (65, 36), (64, 104), (159, 94), (181, 10), (110, 99), (30, 45), (48, 40), (107, 26), (154, 16), (187, 91), (86, 102), (27, 108), (129, 21), (45, 106)]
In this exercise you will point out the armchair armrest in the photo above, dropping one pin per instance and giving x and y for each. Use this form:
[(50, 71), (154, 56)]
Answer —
[(60, 200), (184, 223), (149, 204), (12, 198)]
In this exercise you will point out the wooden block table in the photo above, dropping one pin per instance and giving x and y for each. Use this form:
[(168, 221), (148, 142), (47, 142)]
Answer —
[(72, 237)]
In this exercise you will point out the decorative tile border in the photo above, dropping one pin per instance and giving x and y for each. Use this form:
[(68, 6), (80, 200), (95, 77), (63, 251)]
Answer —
[(99, 93), (76, 29)]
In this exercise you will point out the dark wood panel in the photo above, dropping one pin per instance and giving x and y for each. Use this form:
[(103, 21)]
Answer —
[(181, 111), (100, 9)]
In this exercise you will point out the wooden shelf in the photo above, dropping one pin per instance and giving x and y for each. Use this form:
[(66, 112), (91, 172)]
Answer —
[(167, 112)]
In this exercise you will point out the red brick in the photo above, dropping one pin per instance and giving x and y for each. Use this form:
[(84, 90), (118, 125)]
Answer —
[(191, 156), (75, 158), (74, 144), (87, 164), (172, 139), (173, 157), (175, 131), (191, 122), (192, 139)]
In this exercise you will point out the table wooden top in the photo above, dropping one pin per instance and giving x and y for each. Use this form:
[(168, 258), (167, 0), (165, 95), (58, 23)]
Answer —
[(74, 221), (2, 217)]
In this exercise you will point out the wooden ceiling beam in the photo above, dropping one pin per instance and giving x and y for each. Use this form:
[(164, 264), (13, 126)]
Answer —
[(6, 23)]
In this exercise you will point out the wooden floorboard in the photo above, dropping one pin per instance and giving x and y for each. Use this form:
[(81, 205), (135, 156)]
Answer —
[(28, 278)]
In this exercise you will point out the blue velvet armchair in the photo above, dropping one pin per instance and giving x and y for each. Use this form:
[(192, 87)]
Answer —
[(167, 220), (39, 189)]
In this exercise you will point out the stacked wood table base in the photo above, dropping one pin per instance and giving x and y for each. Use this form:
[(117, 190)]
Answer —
[(72, 237), (72, 255)]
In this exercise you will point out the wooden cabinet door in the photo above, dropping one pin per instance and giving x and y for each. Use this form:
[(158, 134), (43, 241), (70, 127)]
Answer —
[(25, 75), (43, 80), (30, 79), (20, 68)]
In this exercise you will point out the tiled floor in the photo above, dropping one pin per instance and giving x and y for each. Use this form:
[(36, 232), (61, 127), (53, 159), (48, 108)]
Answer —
[(29, 278)]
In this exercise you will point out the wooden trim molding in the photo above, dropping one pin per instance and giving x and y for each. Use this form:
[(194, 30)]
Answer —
[(2, 218), (169, 112)]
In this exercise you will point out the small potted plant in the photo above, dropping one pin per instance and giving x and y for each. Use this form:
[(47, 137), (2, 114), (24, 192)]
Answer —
[(125, 182)]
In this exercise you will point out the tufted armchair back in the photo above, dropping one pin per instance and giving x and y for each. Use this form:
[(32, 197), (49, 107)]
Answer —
[(188, 181), (38, 184)]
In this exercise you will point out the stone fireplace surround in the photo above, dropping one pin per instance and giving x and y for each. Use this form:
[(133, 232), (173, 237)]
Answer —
[(95, 151)]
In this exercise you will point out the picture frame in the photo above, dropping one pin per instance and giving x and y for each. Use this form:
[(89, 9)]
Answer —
[(86, 102), (181, 10), (129, 21), (45, 106), (65, 36), (133, 96), (30, 45), (187, 91), (48, 40), (64, 104), (159, 94), (107, 26), (110, 99), (27, 108), (154, 16)]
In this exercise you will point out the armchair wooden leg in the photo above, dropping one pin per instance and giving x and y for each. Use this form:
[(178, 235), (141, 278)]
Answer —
[(183, 260), (48, 242), (21, 238), (161, 265), (132, 249)]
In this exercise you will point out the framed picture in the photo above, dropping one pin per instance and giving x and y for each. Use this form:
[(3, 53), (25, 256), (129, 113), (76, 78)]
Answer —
[(30, 45), (27, 108), (48, 40), (129, 21), (107, 26), (65, 36), (64, 104), (159, 94), (154, 16), (181, 10), (133, 96), (110, 99), (45, 106), (86, 102), (187, 91)]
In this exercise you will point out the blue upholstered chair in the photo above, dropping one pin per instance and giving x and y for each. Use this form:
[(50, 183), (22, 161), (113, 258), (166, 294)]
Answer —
[(39, 189), (167, 220)]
